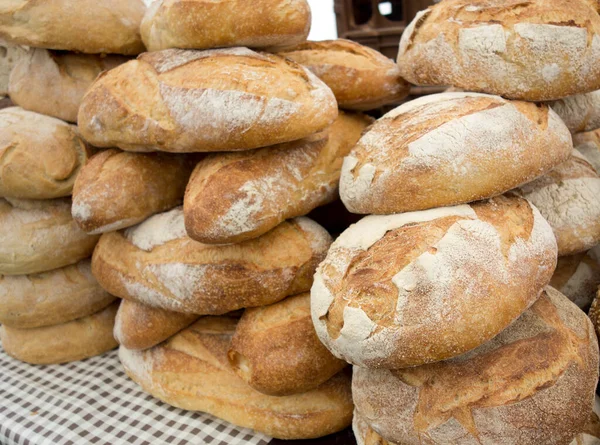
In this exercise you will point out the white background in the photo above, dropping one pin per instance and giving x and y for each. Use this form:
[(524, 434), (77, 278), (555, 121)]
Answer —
[(323, 20)]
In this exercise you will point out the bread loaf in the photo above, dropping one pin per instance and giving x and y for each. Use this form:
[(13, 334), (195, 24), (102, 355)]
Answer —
[(578, 276), (232, 197), (580, 112), (51, 298), (9, 56), (139, 326), (53, 83), (40, 156), (588, 144), (532, 384), (360, 77), (216, 100), (78, 339), (205, 24), (534, 50), (414, 288), (157, 264), (448, 149), (191, 371), (568, 198), (118, 189), (108, 26), (38, 236)]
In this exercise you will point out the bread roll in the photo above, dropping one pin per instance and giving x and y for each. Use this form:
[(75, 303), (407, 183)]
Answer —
[(40, 156), (53, 83), (38, 236), (118, 189), (568, 198), (233, 197), (51, 298), (216, 100), (76, 340), (580, 112), (532, 384), (535, 50), (191, 371), (205, 24), (414, 288), (360, 77), (9, 56), (448, 149), (276, 351), (90, 26), (139, 326), (578, 276), (157, 264)]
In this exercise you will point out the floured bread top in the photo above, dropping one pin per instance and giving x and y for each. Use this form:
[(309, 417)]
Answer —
[(580, 112), (158, 230)]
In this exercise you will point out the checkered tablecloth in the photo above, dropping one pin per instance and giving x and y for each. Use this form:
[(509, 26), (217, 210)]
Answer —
[(94, 402)]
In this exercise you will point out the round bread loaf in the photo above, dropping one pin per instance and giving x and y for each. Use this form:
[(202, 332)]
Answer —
[(578, 276), (90, 26), (157, 264), (217, 100), (360, 77), (205, 24), (40, 156), (532, 384), (67, 342), (534, 50), (38, 236), (451, 148), (581, 112), (9, 56), (51, 298), (414, 288), (53, 83), (568, 198)]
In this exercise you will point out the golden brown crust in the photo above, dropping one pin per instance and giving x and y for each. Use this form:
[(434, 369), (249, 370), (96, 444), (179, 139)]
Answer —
[(578, 276), (191, 371)]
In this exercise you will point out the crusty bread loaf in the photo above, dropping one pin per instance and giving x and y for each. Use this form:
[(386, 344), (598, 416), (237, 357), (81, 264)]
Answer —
[(581, 112), (40, 156), (414, 288), (578, 276), (360, 77), (139, 326), (38, 236), (532, 384), (216, 100), (191, 371), (568, 198), (276, 351), (9, 56), (90, 26), (50, 298), (448, 149), (205, 24), (118, 189), (232, 197), (53, 83), (157, 264), (62, 343), (534, 50)]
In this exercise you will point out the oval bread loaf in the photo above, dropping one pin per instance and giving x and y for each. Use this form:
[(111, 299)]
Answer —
[(578, 277), (360, 77), (9, 56), (540, 372), (191, 371), (205, 24), (40, 156), (233, 197), (414, 288), (535, 50), (580, 113), (215, 100), (448, 149), (157, 264)]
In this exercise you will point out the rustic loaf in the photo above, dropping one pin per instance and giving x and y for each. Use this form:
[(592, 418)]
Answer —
[(580, 113), (117, 189), (451, 148), (216, 100), (414, 288), (9, 56), (232, 197), (205, 24), (578, 276), (40, 156), (157, 264), (534, 50), (191, 371), (532, 384), (360, 77)]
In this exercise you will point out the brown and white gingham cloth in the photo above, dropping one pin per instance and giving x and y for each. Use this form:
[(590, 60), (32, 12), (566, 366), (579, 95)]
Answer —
[(94, 402)]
